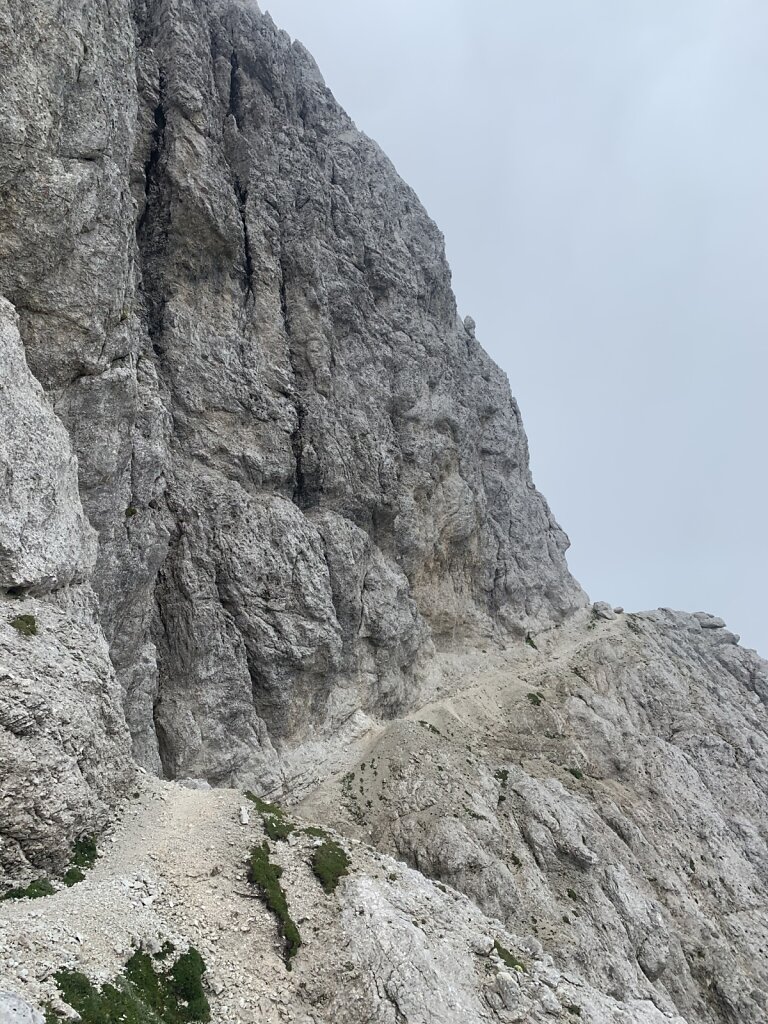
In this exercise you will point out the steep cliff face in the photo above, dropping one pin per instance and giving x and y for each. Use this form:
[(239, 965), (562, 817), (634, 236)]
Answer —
[(266, 518), (63, 741), (302, 467)]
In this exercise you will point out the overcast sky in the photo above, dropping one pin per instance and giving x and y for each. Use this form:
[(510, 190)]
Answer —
[(600, 172)]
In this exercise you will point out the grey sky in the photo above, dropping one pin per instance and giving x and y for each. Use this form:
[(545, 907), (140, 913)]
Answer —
[(600, 172)]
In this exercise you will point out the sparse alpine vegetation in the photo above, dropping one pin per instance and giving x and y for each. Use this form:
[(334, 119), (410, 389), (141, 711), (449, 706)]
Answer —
[(143, 994), (34, 891), (330, 863), (84, 854), (265, 876), (276, 824), (24, 624)]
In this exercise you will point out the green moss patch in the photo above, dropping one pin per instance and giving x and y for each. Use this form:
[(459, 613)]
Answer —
[(25, 624), (276, 824), (142, 994), (317, 833), (508, 958), (34, 891), (265, 875), (330, 863), (84, 853), (72, 876)]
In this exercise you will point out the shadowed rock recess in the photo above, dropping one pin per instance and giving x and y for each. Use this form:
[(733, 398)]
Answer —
[(267, 522)]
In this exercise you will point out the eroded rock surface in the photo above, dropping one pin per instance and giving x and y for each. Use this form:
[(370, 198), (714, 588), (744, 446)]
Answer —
[(266, 519), (244, 318), (608, 790)]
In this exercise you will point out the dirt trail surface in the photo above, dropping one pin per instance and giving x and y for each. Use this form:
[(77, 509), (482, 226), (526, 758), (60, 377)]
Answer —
[(173, 867)]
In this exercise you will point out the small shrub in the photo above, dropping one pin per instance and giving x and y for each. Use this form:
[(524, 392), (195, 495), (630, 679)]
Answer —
[(25, 624), (265, 875), (501, 775), (574, 1009), (130, 512), (313, 830), (72, 876), (34, 891), (530, 641), (330, 863), (577, 773), (535, 699), (571, 894)]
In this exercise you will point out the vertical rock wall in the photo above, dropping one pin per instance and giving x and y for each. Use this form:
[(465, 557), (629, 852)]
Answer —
[(303, 469)]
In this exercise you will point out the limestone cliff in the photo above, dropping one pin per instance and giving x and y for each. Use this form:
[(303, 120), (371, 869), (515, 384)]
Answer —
[(266, 520), (302, 467)]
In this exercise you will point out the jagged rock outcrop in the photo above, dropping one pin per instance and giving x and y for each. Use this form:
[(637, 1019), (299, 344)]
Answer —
[(608, 789)]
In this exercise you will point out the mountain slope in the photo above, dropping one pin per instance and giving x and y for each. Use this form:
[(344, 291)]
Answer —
[(267, 521)]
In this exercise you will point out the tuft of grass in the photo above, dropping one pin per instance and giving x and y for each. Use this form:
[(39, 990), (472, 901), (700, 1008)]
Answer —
[(508, 958), (34, 891), (535, 699), (577, 773), (530, 641), (313, 830), (265, 876), (330, 863), (24, 624), (142, 994)]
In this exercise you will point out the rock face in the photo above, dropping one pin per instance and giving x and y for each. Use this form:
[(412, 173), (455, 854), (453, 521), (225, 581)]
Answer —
[(607, 791), (263, 502), (302, 467), (63, 741)]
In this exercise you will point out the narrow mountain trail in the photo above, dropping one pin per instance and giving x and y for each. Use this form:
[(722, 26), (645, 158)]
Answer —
[(172, 868)]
